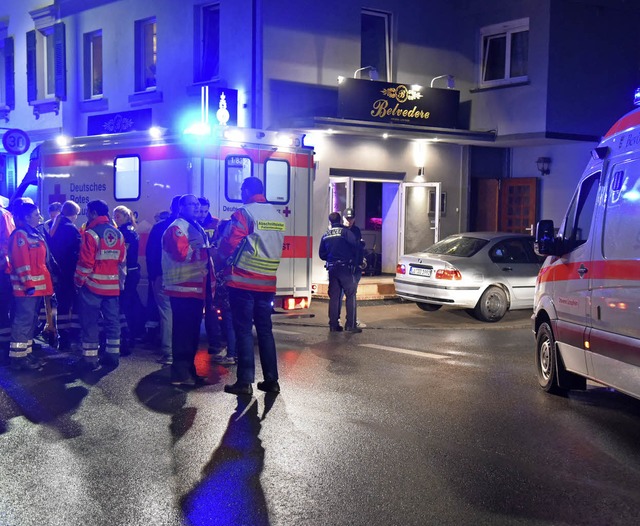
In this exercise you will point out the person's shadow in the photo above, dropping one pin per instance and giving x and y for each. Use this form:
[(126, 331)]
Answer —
[(230, 492)]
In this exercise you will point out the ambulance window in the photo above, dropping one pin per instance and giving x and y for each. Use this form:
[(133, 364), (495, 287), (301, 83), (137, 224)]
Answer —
[(127, 178), (236, 169), (580, 216), (621, 234), (276, 181)]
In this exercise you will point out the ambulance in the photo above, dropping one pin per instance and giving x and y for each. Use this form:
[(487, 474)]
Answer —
[(144, 172), (586, 317)]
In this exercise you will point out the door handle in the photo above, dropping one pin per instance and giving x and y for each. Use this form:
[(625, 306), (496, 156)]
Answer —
[(507, 269), (582, 270)]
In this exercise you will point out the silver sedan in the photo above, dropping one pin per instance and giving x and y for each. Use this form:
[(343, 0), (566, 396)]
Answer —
[(485, 272)]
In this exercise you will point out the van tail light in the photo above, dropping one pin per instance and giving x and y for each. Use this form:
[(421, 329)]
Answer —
[(401, 269), (449, 273), (290, 303)]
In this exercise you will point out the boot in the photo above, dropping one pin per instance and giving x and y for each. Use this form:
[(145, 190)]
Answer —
[(26, 363)]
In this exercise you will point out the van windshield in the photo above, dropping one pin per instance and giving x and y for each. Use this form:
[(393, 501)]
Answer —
[(462, 246)]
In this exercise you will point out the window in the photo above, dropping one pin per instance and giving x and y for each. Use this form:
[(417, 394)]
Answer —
[(621, 234), (93, 65), (127, 178), (207, 45), (7, 77), (504, 53), (578, 222), (236, 169), (46, 63), (375, 43), (146, 54), (276, 181)]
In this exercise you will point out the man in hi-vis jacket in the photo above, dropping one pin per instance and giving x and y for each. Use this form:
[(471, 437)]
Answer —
[(186, 271), (101, 261), (250, 252)]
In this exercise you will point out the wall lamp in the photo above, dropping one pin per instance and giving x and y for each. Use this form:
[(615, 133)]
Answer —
[(543, 165), (451, 81), (373, 72)]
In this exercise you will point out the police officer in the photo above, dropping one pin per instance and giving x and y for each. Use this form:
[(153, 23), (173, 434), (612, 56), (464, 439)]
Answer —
[(340, 249)]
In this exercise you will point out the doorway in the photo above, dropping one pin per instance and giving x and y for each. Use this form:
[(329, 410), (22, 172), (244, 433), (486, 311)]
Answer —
[(395, 217)]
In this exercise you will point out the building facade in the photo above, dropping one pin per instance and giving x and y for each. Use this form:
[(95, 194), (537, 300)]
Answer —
[(533, 80)]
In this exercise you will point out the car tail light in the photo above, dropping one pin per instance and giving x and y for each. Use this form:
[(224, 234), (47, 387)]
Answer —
[(295, 303), (401, 269), (449, 273)]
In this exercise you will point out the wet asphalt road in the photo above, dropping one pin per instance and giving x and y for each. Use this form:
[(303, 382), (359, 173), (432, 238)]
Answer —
[(424, 418)]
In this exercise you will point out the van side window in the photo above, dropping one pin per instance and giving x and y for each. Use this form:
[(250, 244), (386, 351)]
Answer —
[(621, 228), (276, 181), (580, 215), (236, 169), (126, 174)]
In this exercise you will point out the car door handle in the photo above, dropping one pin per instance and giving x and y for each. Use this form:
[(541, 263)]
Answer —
[(582, 271), (507, 269)]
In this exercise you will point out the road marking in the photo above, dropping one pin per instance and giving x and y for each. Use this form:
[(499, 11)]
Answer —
[(404, 351), (280, 331)]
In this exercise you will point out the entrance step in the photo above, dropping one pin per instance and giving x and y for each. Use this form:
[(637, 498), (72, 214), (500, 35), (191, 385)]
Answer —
[(369, 288)]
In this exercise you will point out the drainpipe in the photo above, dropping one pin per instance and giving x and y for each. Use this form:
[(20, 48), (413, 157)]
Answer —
[(256, 65)]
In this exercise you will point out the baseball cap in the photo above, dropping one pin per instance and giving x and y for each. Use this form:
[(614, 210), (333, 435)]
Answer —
[(349, 213)]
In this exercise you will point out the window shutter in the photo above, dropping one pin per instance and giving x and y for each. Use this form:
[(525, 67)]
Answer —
[(9, 74), (32, 78), (60, 60)]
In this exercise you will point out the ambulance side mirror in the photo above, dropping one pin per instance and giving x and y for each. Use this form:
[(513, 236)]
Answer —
[(545, 243)]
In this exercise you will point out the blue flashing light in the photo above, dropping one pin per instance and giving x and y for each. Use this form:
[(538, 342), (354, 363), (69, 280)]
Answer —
[(198, 128), (636, 97)]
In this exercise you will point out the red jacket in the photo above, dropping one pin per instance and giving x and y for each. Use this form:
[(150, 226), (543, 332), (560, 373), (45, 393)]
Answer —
[(102, 257), (185, 261), (28, 263), (6, 228)]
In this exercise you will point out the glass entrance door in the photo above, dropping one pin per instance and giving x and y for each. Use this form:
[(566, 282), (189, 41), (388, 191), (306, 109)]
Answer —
[(419, 216)]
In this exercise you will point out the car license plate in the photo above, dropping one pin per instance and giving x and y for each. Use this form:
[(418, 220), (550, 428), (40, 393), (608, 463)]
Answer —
[(426, 272)]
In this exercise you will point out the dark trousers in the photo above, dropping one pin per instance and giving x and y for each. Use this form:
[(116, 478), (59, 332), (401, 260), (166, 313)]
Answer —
[(212, 323), (186, 316), (250, 308), (342, 279), (131, 305), (67, 320)]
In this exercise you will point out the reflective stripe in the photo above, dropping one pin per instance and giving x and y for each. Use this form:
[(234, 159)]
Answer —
[(105, 276), (105, 286), (19, 349), (23, 268), (112, 255), (95, 236), (84, 270), (19, 345), (179, 288), (113, 342), (89, 352)]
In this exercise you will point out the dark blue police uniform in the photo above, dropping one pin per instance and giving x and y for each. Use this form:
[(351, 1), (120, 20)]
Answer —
[(340, 249)]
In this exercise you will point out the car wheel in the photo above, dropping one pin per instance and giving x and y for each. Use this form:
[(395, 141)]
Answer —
[(546, 365), (428, 307), (493, 305)]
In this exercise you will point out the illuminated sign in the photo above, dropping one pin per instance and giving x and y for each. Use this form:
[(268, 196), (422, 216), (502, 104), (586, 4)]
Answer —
[(384, 102)]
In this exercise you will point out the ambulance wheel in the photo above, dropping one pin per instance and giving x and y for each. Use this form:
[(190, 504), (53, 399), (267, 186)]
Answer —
[(428, 307), (492, 306), (546, 360)]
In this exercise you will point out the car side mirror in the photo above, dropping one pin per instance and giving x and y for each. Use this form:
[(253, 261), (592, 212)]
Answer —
[(545, 242)]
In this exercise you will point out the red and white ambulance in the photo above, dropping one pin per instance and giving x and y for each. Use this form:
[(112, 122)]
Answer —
[(587, 302), (144, 173)]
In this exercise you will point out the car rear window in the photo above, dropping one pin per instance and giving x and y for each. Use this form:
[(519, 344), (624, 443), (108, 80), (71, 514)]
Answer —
[(457, 246)]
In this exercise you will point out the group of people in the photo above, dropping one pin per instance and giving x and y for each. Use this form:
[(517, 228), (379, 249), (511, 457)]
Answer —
[(195, 264)]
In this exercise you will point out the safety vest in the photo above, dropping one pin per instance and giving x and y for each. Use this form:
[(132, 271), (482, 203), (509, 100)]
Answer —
[(28, 263), (185, 261), (102, 257), (256, 259), (7, 226)]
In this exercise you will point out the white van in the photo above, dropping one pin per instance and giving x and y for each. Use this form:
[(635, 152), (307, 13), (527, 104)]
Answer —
[(586, 315)]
